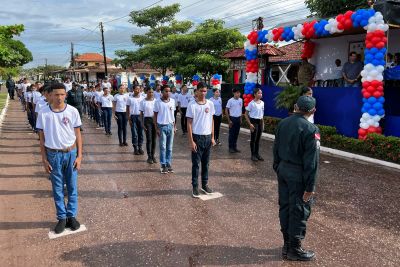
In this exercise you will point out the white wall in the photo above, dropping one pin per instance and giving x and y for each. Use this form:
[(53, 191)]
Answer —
[(329, 49)]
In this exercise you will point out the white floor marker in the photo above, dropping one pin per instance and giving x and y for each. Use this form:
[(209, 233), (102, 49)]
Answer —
[(67, 231), (327, 161), (212, 196)]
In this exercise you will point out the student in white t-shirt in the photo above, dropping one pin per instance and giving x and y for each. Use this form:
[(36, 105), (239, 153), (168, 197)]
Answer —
[(106, 102), (43, 101), (165, 127), (217, 101), (61, 149), (147, 117), (183, 101), (174, 95), (157, 92), (234, 115), (106, 84), (120, 101), (135, 122), (97, 100), (29, 106), (255, 119), (200, 114), (68, 84)]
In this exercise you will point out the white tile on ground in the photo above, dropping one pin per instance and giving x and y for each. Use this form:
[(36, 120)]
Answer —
[(327, 161), (67, 231), (212, 196)]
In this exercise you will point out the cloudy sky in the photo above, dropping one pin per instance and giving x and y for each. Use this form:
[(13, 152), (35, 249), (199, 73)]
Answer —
[(51, 25)]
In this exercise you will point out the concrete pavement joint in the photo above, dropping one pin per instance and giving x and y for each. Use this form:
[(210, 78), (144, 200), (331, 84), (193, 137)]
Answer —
[(66, 232), (331, 151)]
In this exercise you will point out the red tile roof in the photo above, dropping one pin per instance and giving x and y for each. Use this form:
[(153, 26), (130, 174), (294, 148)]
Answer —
[(263, 50), (292, 52), (91, 57)]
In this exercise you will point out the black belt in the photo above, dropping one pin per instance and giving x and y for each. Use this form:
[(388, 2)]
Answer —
[(68, 149)]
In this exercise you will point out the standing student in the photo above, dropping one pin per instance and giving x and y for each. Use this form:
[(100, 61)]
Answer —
[(254, 116), (97, 100), (68, 84), (134, 121), (106, 107), (183, 101), (120, 100), (157, 92), (217, 101), (200, 114), (165, 127), (174, 96), (61, 150), (234, 115), (28, 96), (146, 114)]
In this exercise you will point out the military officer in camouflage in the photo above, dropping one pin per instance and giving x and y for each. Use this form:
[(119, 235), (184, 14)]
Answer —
[(296, 156), (76, 98)]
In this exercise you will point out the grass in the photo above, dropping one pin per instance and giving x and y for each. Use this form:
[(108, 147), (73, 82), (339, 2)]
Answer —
[(3, 98)]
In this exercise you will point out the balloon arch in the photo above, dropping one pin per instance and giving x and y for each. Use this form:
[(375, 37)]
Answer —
[(374, 57)]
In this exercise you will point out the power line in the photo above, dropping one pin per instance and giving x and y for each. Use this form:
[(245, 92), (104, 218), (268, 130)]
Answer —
[(195, 3), (132, 10)]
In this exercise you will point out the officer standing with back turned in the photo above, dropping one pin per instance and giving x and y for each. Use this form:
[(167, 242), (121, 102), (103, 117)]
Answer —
[(76, 98), (296, 156)]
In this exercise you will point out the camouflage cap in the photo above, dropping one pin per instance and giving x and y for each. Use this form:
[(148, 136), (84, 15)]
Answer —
[(306, 103)]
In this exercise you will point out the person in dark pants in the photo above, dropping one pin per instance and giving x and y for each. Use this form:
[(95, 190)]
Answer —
[(76, 98), (234, 115), (106, 106), (146, 114), (97, 102), (134, 121), (201, 138), (120, 101), (296, 156), (10, 84), (217, 101), (183, 101), (254, 116)]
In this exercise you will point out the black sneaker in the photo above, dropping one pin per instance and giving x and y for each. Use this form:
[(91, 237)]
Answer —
[(170, 170), (254, 158), (125, 144), (109, 133), (164, 170), (140, 150), (73, 224), (121, 144), (206, 190), (150, 161), (60, 227), (195, 192), (154, 160), (259, 158), (237, 150), (231, 150)]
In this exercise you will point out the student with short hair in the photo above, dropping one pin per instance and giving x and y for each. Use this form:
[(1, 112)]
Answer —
[(183, 101), (217, 101), (255, 119), (120, 100), (97, 100), (133, 113), (147, 117), (234, 115), (61, 149), (165, 127), (200, 114), (106, 102)]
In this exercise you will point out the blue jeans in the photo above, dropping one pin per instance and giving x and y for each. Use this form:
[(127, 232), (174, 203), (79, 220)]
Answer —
[(64, 172), (202, 156), (137, 131), (99, 117), (166, 143), (107, 114), (121, 121), (356, 84), (234, 132)]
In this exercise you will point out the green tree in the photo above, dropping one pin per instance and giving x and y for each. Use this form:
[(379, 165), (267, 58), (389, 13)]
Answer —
[(13, 53), (331, 8)]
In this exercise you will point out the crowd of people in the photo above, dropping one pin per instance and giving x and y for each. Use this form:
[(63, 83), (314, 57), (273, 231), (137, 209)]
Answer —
[(56, 111)]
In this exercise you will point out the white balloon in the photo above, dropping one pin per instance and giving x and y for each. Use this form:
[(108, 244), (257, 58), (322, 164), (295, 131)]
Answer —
[(379, 77), (380, 68), (364, 125), (373, 73), (376, 124), (370, 122), (365, 116), (376, 118)]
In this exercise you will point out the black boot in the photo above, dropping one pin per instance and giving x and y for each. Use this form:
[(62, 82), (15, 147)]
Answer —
[(135, 150), (140, 150), (297, 253), (285, 246), (254, 158), (60, 227)]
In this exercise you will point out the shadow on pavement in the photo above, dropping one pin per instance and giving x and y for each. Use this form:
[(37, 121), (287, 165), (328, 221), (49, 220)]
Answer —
[(162, 253), (25, 225)]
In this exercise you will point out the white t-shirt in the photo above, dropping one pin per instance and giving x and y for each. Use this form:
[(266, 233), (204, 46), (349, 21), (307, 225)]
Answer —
[(165, 111), (97, 96), (36, 96), (40, 104), (68, 86), (105, 85), (120, 102), (134, 104), (24, 86), (147, 107), (202, 117), (157, 95), (58, 127), (235, 107), (174, 96), (106, 101), (28, 97), (337, 72), (184, 100), (256, 110), (217, 105)]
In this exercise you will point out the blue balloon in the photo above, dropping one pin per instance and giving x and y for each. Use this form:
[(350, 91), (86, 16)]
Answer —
[(364, 23), (381, 112), (369, 56), (375, 62), (372, 100), (381, 99), (372, 112), (364, 100), (363, 110), (377, 106), (367, 106), (379, 55), (374, 50)]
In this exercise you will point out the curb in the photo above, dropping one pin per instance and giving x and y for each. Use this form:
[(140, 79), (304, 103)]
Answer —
[(331, 151), (4, 111)]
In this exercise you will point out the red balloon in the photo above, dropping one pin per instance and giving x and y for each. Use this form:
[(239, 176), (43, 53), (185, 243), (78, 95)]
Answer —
[(348, 24), (362, 132), (379, 88), (348, 14), (380, 45), (366, 95), (377, 94), (365, 84), (339, 17)]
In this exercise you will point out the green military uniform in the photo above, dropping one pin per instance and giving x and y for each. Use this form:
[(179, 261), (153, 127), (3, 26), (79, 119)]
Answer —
[(296, 156), (75, 97)]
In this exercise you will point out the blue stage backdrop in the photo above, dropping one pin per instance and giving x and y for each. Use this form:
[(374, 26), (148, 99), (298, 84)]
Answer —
[(339, 107)]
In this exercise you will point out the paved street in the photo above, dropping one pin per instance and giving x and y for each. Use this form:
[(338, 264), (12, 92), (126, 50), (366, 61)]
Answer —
[(135, 216)]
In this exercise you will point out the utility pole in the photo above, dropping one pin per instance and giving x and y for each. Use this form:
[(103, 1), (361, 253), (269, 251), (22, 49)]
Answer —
[(73, 61), (45, 69), (258, 26), (104, 48)]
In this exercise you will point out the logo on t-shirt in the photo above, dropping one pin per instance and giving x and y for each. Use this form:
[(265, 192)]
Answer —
[(207, 110), (65, 120)]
